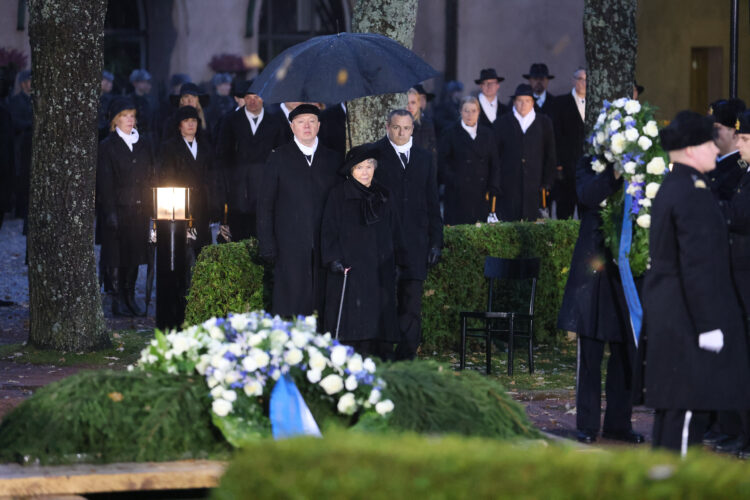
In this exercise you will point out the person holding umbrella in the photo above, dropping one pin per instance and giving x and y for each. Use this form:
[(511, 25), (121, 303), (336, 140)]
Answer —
[(125, 171), (361, 231), (297, 179)]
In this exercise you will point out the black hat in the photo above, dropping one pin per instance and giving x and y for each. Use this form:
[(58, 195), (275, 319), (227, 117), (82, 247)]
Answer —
[(190, 88), (726, 111), (185, 113), (743, 123), (639, 88), (304, 109), (488, 74), (421, 91), (357, 155), (239, 87), (538, 70), (247, 89), (523, 89), (687, 129), (118, 105)]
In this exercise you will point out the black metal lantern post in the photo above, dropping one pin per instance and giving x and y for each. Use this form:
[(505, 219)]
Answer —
[(172, 207)]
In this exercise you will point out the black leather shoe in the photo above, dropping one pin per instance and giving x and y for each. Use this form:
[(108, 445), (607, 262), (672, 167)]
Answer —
[(712, 438), (627, 436), (587, 437), (731, 446)]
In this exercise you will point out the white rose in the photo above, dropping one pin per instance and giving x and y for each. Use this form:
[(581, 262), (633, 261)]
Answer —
[(217, 391), (338, 355), (369, 365), (276, 374), (202, 364), (355, 363), (651, 129), (293, 356), (332, 384), (216, 333), (601, 137), (620, 102), (656, 166), (644, 220), (238, 321), (609, 156), (598, 166), (249, 364), (255, 339), (644, 142), (374, 397), (317, 360), (618, 143), (210, 323), (322, 340), (632, 189), (221, 407), (600, 119), (350, 383), (253, 388), (314, 376), (180, 344), (261, 358), (651, 189), (614, 125), (299, 339), (347, 404), (639, 178), (603, 203), (629, 167), (235, 349), (645, 202), (231, 377), (631, 134), (632, 107), (385, 406), (230, 396), (169, 355), (278, 338), (311, 322), (219, 362)]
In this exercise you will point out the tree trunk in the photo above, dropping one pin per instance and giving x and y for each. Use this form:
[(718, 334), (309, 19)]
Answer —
[(611, 41), (66, 55), (394, 19)]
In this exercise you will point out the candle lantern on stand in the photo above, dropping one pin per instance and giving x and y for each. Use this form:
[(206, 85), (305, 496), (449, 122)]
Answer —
[(172, 219)]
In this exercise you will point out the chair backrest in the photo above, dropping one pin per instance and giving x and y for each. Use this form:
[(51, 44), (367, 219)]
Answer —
[(496, 268)]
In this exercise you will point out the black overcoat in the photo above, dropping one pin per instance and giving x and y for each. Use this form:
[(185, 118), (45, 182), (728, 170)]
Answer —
[(569, 142), (689, 291), (725, 178), (548, 107), (372, 252), (125, 179), (592, 304), (242, 156), (414, 195), (424, 136), (178, 168), (469, 169), (332, 132), (527, 163), (290, 209), (7, 160)]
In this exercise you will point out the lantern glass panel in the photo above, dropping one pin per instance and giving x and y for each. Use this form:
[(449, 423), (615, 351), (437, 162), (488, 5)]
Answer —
[(171, 203)]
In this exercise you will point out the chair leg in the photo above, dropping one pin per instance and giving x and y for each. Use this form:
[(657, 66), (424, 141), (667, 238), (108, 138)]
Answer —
[(488, 345), (510, 347), (531, 346), (462, 362)]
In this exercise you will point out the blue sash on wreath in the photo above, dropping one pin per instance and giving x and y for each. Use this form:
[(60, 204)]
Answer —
[(289, 414), (628, 284)]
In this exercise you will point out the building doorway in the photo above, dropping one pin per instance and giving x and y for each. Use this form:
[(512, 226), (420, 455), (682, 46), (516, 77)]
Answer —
[(706, 77)]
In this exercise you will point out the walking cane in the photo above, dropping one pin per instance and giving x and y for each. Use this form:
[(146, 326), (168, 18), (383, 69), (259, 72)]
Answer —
[(341, 305)]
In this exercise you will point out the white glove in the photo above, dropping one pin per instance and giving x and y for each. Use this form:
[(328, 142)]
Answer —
[(225, 232), (492, 218), (152, 235), (711, 341), (192, 234)]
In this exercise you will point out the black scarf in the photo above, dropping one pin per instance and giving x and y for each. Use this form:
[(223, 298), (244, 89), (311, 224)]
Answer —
[(373, 201)]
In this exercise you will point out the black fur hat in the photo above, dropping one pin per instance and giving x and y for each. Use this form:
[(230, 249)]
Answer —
[(687, 129)]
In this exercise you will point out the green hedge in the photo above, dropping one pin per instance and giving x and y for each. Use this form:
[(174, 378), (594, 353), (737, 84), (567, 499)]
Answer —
[(230, 278), (344, 466)]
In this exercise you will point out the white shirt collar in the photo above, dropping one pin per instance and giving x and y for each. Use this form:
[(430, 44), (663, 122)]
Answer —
[(719, 158), (489, 107), (541, 98), (402, 149), (307, 150), (285, 110), (254, 124), (524, 121), (129, 139), (193, 147), (471, 130), (580, 103)]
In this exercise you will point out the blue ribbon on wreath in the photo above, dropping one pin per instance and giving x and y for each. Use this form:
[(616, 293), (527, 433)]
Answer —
[(635, 309), (289, 414)]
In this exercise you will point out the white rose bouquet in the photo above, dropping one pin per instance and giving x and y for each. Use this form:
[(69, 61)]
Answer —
[(243, 355), (627, 136)]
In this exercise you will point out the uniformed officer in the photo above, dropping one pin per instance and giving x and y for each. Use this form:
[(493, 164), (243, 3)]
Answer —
[(696, 352)]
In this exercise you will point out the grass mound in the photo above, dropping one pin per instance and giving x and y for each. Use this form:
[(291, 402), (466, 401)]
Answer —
[(106, 416)]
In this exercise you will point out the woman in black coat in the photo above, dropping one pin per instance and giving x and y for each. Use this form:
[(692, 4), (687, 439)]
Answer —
[(185, 159), (125, 173), (424, 129), (361, 232), (468, 165)]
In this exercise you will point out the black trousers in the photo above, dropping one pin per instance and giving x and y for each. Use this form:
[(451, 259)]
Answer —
[(409, 296), (564, 194), (617, 386), (669, 426), (242, 225)]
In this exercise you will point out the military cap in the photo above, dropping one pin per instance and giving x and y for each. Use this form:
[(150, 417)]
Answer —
[(743, 123), (726, 111)]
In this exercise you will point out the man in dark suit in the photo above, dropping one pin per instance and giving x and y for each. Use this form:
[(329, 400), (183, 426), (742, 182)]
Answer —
[(539, 77), (696, 346), (333, 128), (21, 112), (569, 138), (247, 137), (296, 182), (410, 175), (490, 107), (526, 148), (593, 307)]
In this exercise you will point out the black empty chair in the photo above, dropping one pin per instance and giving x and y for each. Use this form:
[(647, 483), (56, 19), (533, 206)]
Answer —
[(506, 324)]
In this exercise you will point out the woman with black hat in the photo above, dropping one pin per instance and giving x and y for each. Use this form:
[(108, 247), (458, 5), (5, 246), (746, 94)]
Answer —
[(360, 232), (125, 172), (190, 95)]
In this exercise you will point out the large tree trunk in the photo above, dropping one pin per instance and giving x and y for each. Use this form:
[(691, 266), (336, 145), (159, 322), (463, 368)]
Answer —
[(611, 41), (394, 19), (66, 55)]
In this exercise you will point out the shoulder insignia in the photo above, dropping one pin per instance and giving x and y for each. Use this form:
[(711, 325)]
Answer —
[(699, 184), (737, 124), (742, 164)]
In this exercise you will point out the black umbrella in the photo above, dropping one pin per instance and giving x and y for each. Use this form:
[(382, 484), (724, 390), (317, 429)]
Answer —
[(342, 67)]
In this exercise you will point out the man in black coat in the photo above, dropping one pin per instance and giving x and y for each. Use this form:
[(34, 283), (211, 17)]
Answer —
[(296, 182), (729, 169), (490, 107), (333, 128), (7, 155), (145, 105), (22, 114), (696, 352), (593, 307), (248, 136), (409, 173), (569, 118), (526, 148), (539, 77)]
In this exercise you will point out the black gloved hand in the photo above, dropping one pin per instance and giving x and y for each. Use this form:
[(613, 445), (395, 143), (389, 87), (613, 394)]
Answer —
[(434, 256), (336, 267), (111, 221)]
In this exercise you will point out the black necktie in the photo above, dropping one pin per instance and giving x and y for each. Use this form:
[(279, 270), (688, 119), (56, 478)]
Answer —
[(309, 159), (404, 159), (255, 120)]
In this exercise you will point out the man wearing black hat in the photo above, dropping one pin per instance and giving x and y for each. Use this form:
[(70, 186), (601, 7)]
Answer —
[(696, 347), (539, 77), (296, 182), (490, 107), (410, 175), (570, 112), (526, 146), (729, 166), (248, 136)]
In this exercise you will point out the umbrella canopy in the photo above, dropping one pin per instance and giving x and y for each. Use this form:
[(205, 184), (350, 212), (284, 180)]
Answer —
[(342, 67)]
